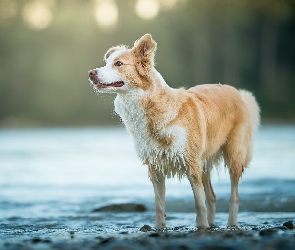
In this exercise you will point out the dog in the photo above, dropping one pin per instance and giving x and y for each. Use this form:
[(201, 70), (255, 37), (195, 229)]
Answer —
[(180, 132)]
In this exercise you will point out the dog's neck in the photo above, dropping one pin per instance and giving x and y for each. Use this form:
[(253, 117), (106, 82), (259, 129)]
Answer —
[(158, 85)]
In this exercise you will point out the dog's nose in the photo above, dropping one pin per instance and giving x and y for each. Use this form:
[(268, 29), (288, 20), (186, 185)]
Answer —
[(92, 73)]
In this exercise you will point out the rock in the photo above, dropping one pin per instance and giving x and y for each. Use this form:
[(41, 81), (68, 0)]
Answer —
[(289, 225), (119, 208), (145, 228)]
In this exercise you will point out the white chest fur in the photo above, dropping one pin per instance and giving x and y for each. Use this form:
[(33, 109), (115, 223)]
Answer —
[(170, 161)]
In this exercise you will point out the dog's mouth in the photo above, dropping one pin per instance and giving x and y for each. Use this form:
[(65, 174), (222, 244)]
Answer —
[(99, 85), (117, 84)]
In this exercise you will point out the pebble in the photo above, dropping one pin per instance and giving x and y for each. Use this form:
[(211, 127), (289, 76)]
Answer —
[(145, 228)]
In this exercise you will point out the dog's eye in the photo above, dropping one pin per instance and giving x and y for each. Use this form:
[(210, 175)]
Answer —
[(118, 63)]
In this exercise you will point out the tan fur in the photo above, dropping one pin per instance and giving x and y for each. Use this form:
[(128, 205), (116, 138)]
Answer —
[(113, 49), (213, 116), (201, 125)]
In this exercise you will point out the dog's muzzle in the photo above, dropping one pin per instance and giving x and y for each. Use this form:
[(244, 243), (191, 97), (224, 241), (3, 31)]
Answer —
[(93, 77)]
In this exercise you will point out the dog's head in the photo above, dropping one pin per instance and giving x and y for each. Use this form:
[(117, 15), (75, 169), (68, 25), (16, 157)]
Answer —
[(126, 69)]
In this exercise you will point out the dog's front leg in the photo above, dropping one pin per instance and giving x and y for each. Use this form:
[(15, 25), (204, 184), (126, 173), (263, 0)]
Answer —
[(199, 195), (158, 180)]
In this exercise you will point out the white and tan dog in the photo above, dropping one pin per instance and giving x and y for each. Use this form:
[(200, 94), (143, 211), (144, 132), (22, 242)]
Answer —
[(180, 132)]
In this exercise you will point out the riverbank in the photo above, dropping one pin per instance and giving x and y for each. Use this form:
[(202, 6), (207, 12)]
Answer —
[(57, 185), (112, 231)]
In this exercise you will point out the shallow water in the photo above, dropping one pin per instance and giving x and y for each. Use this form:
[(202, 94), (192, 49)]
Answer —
[(54, 178)]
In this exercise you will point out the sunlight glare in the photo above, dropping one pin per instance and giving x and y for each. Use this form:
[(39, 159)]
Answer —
[(147, 9), (37, 15), (106, 13), (168, 4)]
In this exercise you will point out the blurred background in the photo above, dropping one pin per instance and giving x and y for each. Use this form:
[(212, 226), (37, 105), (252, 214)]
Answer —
[(48, 46), (62, 153)]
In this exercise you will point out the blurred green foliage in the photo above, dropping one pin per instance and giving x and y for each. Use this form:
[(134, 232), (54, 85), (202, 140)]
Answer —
[(43, 72)]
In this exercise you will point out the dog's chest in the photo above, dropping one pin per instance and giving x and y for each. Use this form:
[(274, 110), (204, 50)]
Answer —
[(162, 146), (134, 119)]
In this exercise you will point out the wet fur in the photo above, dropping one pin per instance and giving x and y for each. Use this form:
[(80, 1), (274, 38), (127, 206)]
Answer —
[(181, 132)]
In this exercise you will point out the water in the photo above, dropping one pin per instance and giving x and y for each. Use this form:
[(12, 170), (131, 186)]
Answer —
[(56, 177)]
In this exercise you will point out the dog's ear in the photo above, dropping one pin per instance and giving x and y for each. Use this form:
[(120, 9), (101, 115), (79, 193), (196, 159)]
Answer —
[(144, 51), (112, 50)]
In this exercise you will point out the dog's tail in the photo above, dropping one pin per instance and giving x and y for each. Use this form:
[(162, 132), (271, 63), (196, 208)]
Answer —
[(253, 108)]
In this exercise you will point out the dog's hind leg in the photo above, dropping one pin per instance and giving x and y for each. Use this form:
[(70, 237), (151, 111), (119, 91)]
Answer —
[(234, 201), (199, 195), (237, 156), (210, 197), (158, 180)]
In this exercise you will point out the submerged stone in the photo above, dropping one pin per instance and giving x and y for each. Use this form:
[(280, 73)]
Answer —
[(125, 207)]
